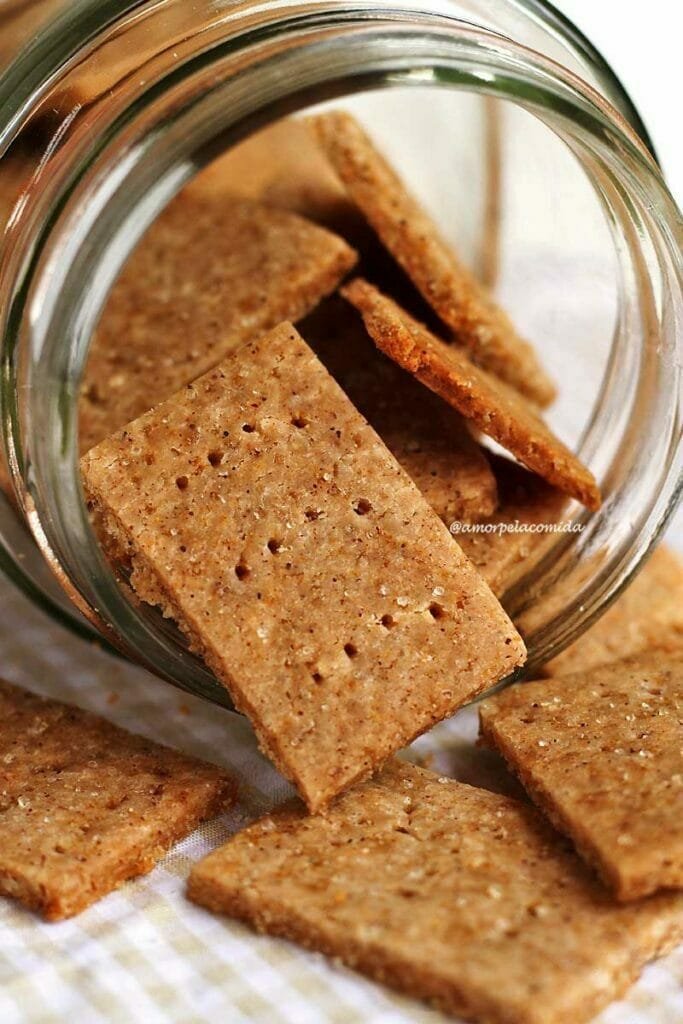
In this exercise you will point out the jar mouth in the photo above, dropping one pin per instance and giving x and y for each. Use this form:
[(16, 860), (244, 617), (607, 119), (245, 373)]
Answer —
[(115, 185), (86, 20)]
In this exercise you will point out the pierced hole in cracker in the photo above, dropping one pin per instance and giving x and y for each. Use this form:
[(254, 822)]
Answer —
[(215, 457), (317, 677), (350, 650), (312, 514), (181, 483), (388, 621), (274, 545), (300, 422), (248, 428), (241, 571), (437, 610), (362, 507)]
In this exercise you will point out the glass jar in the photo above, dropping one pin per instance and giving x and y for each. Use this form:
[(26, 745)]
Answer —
[(509, 124)]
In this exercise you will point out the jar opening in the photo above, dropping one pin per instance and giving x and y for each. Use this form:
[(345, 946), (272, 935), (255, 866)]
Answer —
[(105, 190)]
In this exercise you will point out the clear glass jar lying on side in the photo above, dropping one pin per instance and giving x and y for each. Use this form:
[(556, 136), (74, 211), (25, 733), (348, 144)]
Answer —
[(535, 160)]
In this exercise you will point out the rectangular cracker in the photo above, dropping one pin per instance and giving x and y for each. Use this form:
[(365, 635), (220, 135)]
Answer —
[(448, 893), (647, 616), (601, 752), (526, 502), (428, 438), (86, 806), (268, 519), (489, 403), (282, 166), (466, 307), (208, 275)]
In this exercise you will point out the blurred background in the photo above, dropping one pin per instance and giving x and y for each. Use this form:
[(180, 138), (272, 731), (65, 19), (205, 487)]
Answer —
[(642, 42)]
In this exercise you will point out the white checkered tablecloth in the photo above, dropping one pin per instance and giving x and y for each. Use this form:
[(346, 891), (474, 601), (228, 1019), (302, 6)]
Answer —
[(145, 954)]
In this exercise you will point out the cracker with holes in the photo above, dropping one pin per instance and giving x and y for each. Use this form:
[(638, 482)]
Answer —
[(462, 303), (429, 439), (268, 519), (601, 752), (86, 806), (208, 275), (512, 540), (494, 408), (647, 616), (452, 894)]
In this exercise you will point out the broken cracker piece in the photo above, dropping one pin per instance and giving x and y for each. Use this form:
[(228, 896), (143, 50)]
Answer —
[(207, 276), (429, 439), (494, 408), (647, 616), (502, 550), (86, 806), (601, 752), (267, 518), (455, 294), (452, 894)]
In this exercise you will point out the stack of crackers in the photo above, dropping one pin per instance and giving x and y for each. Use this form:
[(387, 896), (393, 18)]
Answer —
[(284, 494)]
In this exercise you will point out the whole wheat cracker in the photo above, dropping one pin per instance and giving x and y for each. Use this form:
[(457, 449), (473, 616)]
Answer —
[(647, 616), (282, 166), (525, 500), (452, 894), (460, 300), (428, 438), (268, 519), (601, 752), (208, 275), (494, 408), (86, 806)]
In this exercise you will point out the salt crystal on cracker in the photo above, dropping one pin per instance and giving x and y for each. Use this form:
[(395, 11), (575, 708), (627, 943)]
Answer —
[(493, 407), (85, 806), (601, 752), (207, 276), (458, 298), (266, 517), (445, 892)]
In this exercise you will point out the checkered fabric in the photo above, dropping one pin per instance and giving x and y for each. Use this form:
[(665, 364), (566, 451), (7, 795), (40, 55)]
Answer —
[(145, 954)]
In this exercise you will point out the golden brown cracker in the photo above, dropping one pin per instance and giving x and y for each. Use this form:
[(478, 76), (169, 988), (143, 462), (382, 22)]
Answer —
[(282, 166), (429, 439), (459, 299), (452, 894), (207, 276), (601, 752), (86, 806), (647, 616), (494, 408), (268, 519)]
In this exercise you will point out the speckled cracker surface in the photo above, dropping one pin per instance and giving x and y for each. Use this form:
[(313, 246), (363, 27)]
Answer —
[(458, 298), (267, 517), (429, 439), (510, 542), (601, 752), (208, 275), (493, 407), (446, 892), (647, 616), (84, 806)]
